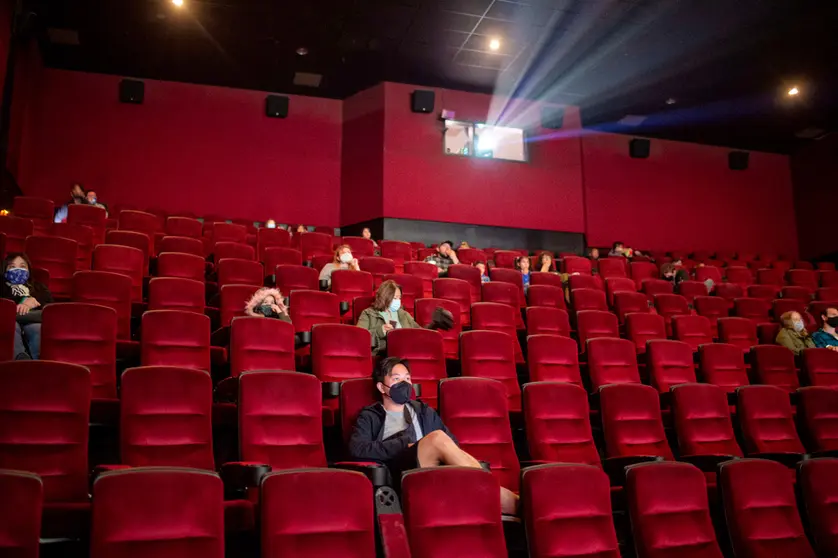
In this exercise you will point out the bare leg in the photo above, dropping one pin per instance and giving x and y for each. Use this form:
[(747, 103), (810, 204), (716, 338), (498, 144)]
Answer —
[(508, 502)]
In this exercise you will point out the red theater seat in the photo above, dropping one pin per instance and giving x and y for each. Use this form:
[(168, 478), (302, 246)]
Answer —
[(594, 323), (340, 352), (469, 256), (641, 271), (551, 279), (723, 365), (90, 216), (764, 292), (83, 334), (612, 267), (45, 407), (82, 234), (670, 305), (491, 354), (773, 365), (614, 285), (237, 250), (546, 295), (425, 308), (741, 276), (576, 282), (542, 319), (558, 423), (260, 344), (280, 420), (817, 481), (588, 299), (740, 332), (476, 411), (315, 244), (341, 522), (804, 278), (691, 289), (17, 230), (693, 330), (182, 245), (175, 293), (761, 510), (232, 271), (271, 238), (426, 272), (631, 422), (20, 514), (457, 291), (131, 239), (181, 265), (58, 256), (124, 261), (233, 300), (567, 510), (708, 272), (361, 247), (228, 232), (626, 303), (38, 210), (172, 338), (397, 251), (139, 221), (767, 422), (553, 358), (653, 287), (106, 289), (701, 415), (277, 255), (670, 363), (713, 308), (755, 309), (168, 512), (642, 328), (491, 316), (505, 293), (820, 367), (378, 267), (348, 284), (817, 413), (468, 525), (184, 226), (575, 264), (662, 496), (423, 349), (612, 361), (291, 278)]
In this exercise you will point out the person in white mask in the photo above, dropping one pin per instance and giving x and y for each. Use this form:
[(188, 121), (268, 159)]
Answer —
[(343, 260), (793, 334)]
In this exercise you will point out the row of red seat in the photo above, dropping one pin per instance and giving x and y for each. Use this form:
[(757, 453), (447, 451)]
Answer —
[(278, 407)]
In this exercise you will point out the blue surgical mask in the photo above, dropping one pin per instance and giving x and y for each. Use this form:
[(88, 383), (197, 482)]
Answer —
[(271, 225), (798, 325), (395, 305), (17, 275), (92, 201)]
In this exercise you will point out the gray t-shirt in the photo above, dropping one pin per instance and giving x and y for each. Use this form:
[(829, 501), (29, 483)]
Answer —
[(395, 423)]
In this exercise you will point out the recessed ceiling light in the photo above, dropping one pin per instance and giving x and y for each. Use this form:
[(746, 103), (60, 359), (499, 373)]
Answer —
[(177, 3), (302, 51), (671, 101), (794, 91), (494, 44)]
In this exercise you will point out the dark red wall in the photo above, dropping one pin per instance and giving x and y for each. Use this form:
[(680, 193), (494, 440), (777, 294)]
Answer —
[(815, 173), (209, 150), (422, 182), (684, 196), (362, 160)]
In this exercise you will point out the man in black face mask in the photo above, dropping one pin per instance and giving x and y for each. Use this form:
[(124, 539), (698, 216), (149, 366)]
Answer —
[(405, 434), (827, 336)]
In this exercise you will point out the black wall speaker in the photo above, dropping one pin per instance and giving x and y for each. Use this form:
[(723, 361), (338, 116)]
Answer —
[(639, 148), (552, 118), (738, 160), (131, 91), (276, 106), (422, 100)]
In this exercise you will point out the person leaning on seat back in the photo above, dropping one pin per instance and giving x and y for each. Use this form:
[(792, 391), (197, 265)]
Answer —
[(444, 257), (484, 277), (92, 199), (387, 314), (367, 233), (793, 334), (827, 336), (544, 263), (343, 260), (404, 434), (267, 303), (77, 197), (30, 299)]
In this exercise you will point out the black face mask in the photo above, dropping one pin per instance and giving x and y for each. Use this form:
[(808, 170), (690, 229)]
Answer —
[(400, 392), (669, 278), (833, 321)]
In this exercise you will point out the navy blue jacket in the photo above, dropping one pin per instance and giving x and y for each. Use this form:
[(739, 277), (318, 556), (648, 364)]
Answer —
[(366, 443)]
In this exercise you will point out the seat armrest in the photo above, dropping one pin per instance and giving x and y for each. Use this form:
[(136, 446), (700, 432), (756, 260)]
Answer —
[(417, 390), (99, 469), (535, 463), (330, 390), (344, 307), (303, 338), (391, 529), (615, 467), (486, 466), (378, 474), (789, 459), (324, 284), (707, 463), (824, 453), (220, 337), (239, 475), (227, 390)]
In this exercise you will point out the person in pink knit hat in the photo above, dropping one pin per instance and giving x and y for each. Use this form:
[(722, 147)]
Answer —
[(267, 303)]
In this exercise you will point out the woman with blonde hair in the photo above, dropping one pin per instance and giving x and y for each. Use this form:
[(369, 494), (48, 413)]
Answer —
[(343, 260), (793, 334)]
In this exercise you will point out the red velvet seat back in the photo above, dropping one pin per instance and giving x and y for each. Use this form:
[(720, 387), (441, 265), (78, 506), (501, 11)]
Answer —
[(172, 338), (631, 420), (558, 423), (260, 344), (702, 420)]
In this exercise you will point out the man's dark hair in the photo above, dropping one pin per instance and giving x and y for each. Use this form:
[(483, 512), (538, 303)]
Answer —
[(618, 243), (385, 367), (448, 242)]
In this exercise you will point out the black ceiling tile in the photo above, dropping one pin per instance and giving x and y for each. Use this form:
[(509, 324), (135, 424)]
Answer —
[(473, 58), (473, 7)]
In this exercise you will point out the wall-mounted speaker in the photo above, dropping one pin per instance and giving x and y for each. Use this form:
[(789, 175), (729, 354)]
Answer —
[(422, 100), (552, 117), (738, 160), (639, 148), (131, 91), (276, 106)]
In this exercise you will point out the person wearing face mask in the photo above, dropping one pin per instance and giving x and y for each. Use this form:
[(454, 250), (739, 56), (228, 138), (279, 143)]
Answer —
[(92, 199), (267, 303), (444, 257), (343, 260), (270, 224), (30, 298), (406, 434), (827, 336), (385, 315), (793, 335)]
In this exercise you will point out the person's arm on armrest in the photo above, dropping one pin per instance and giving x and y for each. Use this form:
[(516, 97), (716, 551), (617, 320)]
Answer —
[(363, 447)]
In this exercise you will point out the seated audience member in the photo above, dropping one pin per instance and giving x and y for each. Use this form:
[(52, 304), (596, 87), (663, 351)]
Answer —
[(668, 272), (404, 434), (385, 315), (522, 264), (618, 249), (793, 335), (301, 229), (544, 262), (270, 224), (484, 277), (77, 197), (367, 233), (827, 337), (92, 199), (593, 254), (464, 244), (444, 257), (343, 260), (267, 303), (30, 299)]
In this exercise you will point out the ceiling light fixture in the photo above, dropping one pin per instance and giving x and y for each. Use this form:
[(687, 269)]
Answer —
[(302, 51), (178, 3), (794, 91), (494, 44)]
